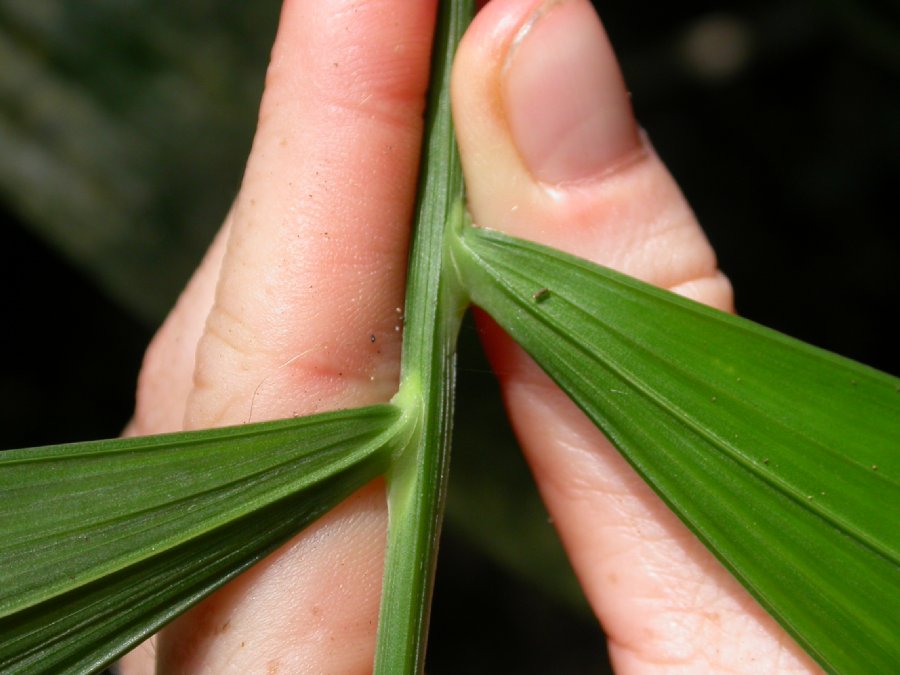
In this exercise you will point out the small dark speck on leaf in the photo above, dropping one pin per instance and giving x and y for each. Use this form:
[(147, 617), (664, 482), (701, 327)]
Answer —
[(540, 295), (766, 460)]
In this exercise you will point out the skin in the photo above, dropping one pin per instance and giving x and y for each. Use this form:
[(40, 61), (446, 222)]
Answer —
[(311, 262)]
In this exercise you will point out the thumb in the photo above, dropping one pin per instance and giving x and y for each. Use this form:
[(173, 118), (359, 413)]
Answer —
[(552, 153)]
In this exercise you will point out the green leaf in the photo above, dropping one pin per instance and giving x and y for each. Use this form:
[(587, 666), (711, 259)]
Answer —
[(102, 543), (784, 459)]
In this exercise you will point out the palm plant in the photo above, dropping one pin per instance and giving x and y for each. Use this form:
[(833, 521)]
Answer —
[(754, 440)]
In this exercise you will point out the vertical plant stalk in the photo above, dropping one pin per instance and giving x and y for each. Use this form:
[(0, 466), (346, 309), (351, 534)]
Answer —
[(434, 307)]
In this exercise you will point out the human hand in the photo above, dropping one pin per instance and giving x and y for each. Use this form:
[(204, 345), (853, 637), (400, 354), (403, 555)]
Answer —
[(310, 264)]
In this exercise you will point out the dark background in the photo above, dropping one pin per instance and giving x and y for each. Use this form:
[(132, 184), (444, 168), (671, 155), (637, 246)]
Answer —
[(123, 129)]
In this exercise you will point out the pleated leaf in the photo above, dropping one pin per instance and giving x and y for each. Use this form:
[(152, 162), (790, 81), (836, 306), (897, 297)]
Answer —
[(782, 458), (102, 543)]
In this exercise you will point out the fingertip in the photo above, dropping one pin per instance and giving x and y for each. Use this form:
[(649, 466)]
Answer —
[(345, 53), (496, 179), (540, 83), (565, 99), (551, 150), (475, 81)]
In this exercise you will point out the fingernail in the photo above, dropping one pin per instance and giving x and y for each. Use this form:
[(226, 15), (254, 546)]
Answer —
[(566, 104)]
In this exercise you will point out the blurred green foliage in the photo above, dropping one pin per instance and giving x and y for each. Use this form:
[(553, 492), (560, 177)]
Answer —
[(124, 125), (123, 129)]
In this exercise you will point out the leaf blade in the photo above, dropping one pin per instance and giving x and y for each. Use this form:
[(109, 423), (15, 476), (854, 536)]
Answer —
[(204, 506), (739, 429)]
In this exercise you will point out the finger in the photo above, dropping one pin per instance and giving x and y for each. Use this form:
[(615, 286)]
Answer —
[(551, 152), (167, 373), (304, 318), (315, 260)]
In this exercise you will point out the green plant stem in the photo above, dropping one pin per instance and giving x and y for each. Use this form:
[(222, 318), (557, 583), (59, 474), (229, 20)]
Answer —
[(434, 307)]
